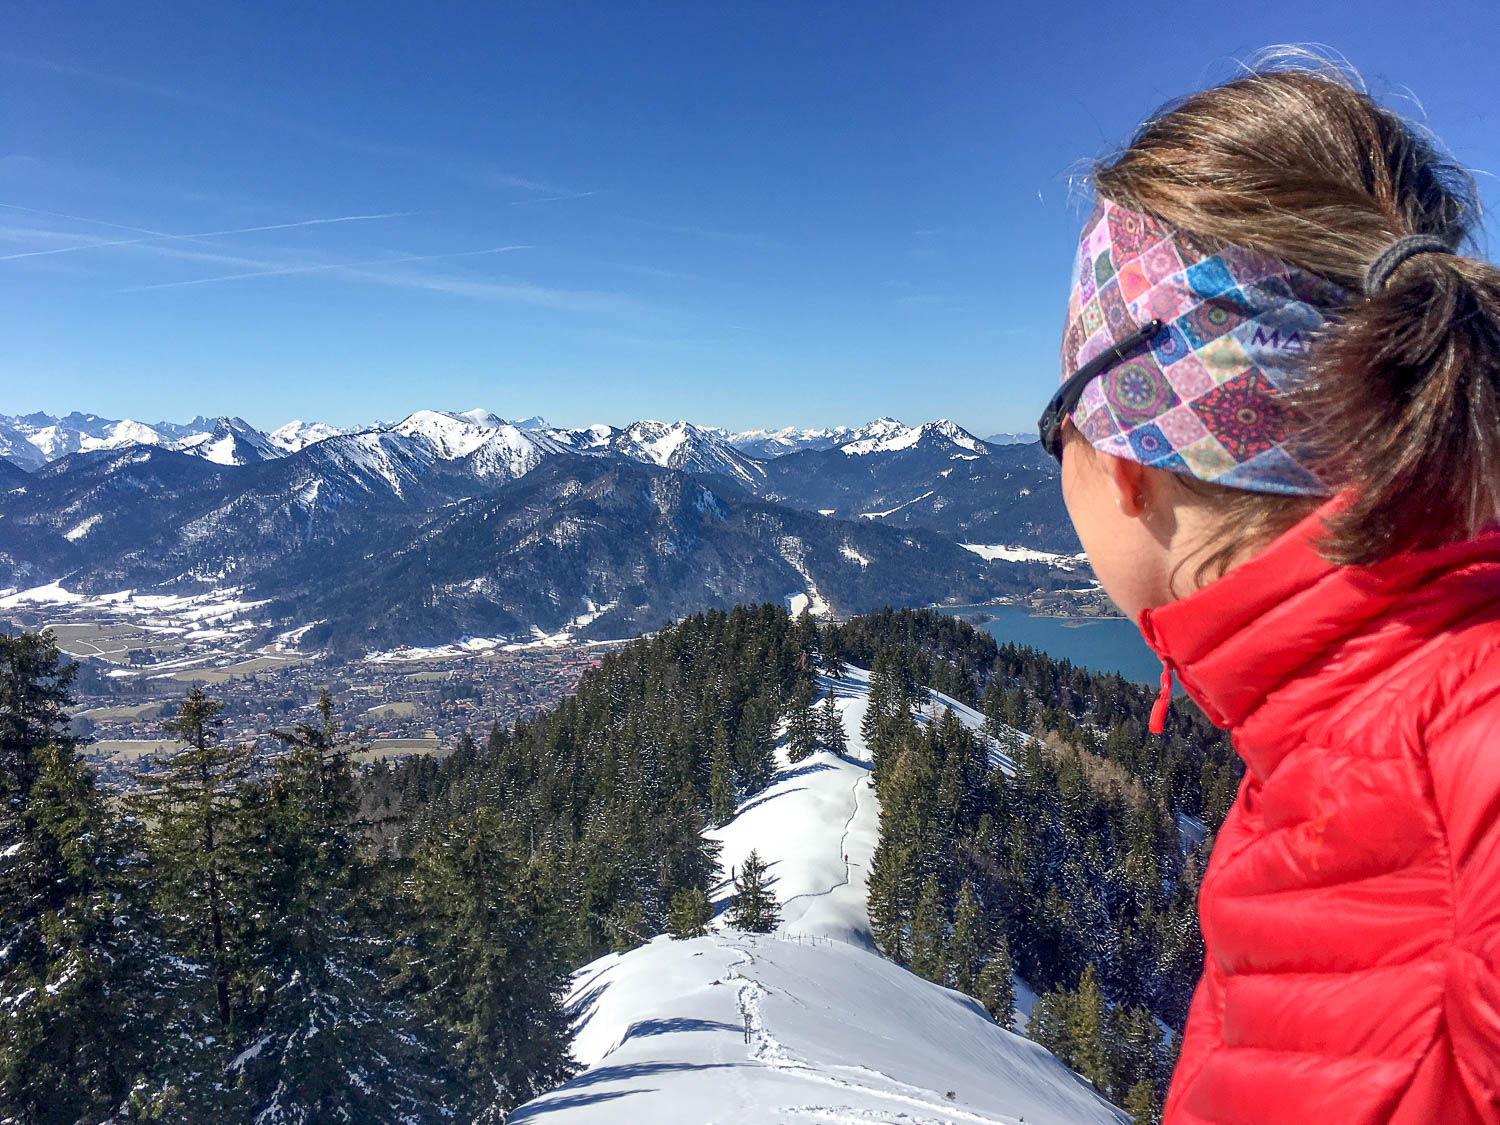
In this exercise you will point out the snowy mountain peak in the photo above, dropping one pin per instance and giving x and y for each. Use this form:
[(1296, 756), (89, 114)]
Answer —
[(587, 440), (297, 435), (886, 435), (682, 445), (789, 439), (953, 432), (487, 419), (232, 441), (450, 435)]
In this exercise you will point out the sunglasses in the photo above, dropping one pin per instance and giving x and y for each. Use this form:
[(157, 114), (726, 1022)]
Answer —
[(1049, 425)]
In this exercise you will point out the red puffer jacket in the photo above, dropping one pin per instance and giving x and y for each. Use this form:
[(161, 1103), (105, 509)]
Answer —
[(1351, 910)]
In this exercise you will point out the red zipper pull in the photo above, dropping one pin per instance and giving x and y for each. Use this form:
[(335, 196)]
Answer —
[(1163, 701)]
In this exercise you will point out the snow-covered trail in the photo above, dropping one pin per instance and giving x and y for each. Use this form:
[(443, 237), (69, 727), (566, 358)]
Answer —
[(814, 814), (748, 1029), (809, 1024)]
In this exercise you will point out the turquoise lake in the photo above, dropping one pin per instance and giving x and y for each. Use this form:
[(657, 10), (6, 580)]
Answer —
[(1102, 645)]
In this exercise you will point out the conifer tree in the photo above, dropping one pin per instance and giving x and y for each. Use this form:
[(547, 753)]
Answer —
[(927, 934), (627, 927), (484, 960), (755, 749), (996, 987), (689, 915), (79, 970), (833, 652), (964, 941), (754, 908), (802, 728), (1086, 1029), (720, 779), (897, 868), (1140, 1103), (329, 1041), (831, 727), (875, 705), (202, 814), (1050, 1023)]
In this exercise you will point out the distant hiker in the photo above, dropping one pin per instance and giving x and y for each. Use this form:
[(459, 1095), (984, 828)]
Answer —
[(1279, 431)]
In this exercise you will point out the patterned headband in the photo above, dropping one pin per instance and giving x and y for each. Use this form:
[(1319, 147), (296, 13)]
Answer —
[(1204, 399)]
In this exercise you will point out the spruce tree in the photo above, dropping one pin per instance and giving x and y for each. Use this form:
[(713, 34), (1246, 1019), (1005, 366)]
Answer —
[(996, 987), (831, 727), (833, 652), (628, 928), (720, 779), (1140, 1103), (754, 907), (875, 705), (79, 968), (483, 957), (964, 941), (927, 933), (329, 1041), (802, 733), (1050, 1023), (898, 866), (1086, 1025), (755, 749), (689, 915), (202, 815)]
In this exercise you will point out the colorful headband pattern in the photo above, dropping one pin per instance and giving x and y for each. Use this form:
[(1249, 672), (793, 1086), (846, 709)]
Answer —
[(1204, 399)]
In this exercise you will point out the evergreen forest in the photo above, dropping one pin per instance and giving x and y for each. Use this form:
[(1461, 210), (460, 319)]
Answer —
[(299, 939)]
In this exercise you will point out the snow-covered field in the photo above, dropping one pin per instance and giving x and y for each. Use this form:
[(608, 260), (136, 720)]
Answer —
[(990, 552), (808, 1024)]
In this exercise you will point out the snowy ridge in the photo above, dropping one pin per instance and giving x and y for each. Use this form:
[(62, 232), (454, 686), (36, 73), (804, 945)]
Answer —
[(992, 551), (889, 436), (808, 1024), (297, 434), (682, 445), (789, 439)]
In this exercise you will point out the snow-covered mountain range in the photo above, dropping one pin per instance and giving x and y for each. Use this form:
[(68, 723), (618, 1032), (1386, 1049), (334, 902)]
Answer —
[(33, 440), (445, 525)]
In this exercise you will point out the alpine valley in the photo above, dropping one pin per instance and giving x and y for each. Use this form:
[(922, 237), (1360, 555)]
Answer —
[(444, 526)]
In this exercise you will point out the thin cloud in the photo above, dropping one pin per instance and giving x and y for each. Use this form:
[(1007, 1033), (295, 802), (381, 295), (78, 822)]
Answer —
[(553, 198), (287, 271), (114, 81), (204, 234), (508, 292)]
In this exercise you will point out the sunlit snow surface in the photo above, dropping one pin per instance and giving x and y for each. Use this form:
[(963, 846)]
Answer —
[(808, 1024), (990, 552)]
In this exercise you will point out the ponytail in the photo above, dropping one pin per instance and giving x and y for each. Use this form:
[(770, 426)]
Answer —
[(1405, 396)]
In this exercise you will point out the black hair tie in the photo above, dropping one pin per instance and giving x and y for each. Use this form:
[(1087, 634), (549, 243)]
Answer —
[(1394, 255)]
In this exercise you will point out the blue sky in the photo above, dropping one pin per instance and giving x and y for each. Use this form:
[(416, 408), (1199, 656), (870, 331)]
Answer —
[(742, 214)]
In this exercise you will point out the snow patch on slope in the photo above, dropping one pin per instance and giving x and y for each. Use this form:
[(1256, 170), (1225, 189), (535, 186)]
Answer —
[(991, 552)]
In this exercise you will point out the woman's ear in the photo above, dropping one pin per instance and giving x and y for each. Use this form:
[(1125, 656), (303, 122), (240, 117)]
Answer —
[(1127, 479)]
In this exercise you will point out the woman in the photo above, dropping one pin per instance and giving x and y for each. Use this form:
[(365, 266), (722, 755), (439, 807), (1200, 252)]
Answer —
[(1280, 441)]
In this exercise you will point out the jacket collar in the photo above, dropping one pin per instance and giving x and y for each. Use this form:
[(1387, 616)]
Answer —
[(1287, 613)]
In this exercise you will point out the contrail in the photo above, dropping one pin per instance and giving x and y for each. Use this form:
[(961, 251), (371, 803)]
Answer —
[(204, 234), (316, 269), (85, 219)]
